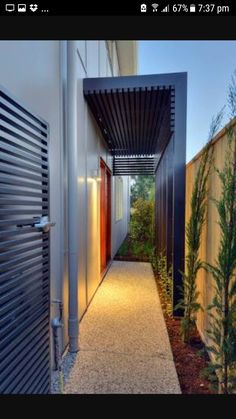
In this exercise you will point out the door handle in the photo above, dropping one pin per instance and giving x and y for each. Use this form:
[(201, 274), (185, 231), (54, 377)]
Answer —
[(44, 224)]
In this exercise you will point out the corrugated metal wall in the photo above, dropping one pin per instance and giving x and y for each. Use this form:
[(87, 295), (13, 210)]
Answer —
[(164, 203), (211, 232), (169, 215), (170, 187)]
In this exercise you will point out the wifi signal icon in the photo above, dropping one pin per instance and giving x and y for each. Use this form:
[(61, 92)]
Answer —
[(155, 7)]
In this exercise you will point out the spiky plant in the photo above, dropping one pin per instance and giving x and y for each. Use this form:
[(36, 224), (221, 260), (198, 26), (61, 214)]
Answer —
[(165, 278), (222, 310), (166, 281), (189, 302)]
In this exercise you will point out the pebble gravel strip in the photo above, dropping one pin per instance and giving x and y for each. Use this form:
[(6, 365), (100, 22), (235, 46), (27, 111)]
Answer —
[(124, 344)]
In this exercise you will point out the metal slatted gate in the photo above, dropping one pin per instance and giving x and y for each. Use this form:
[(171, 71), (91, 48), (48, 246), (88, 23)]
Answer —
[(24, 251)]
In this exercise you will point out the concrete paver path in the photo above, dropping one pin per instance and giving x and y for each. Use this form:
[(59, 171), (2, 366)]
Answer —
[(124, 345)]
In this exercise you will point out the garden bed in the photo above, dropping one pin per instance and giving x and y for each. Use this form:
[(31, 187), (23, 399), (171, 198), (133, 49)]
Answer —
[(135, 251), (189, 364), (131, 258)]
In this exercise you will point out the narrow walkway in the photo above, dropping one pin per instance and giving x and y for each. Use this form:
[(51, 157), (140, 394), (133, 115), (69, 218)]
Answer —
[(124, 345)]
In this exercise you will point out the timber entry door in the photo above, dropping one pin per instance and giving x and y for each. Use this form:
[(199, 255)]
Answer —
[(24, 250), (105, 215)]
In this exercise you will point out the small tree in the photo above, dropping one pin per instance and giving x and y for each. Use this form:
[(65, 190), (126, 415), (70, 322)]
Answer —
[(142, 187), (189, 302), (222, 331)]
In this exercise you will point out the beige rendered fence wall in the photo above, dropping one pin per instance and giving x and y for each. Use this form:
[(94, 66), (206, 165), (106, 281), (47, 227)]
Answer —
[(211, 233)]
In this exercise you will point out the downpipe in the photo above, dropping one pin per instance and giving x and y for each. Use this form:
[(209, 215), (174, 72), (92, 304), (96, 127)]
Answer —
[(73, 323), (57, 324)]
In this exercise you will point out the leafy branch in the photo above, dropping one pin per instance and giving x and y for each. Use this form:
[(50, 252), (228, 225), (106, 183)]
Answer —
[(222, 310)]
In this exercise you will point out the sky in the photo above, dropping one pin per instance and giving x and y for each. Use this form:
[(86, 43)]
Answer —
[(209, 64)]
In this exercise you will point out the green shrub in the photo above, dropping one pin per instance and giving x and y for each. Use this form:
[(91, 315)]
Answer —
[(141, 224), (124, 248)]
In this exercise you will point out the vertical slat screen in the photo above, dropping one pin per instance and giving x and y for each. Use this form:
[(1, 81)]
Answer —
[(24, 251)]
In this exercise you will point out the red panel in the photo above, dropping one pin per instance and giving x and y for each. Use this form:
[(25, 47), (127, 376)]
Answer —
[(105, 215), (108, 214)]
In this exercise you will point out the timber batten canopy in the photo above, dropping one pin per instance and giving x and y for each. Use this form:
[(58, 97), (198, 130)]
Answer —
[(142, 120), (135, 119)]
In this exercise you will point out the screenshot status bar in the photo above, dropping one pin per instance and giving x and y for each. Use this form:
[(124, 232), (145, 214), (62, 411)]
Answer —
[(138, 8)]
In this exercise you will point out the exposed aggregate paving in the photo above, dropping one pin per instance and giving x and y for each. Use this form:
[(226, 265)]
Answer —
[(124, 344)]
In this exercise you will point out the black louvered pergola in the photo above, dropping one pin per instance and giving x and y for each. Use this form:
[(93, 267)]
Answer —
[(143, 122)]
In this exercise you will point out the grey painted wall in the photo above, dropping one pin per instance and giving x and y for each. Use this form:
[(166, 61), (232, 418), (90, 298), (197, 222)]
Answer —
[(31, 71), (36, 73), (91, 60)]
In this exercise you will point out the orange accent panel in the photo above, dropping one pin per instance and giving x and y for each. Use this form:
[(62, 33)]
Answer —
[(105, 215)]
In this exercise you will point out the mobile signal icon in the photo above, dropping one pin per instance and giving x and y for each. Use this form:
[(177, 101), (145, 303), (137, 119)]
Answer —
[(166, 9)]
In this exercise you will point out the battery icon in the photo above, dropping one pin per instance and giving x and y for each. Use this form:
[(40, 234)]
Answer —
[(192, 8)]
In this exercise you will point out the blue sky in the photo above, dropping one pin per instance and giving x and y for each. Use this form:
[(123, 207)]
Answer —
[(209, 64)]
